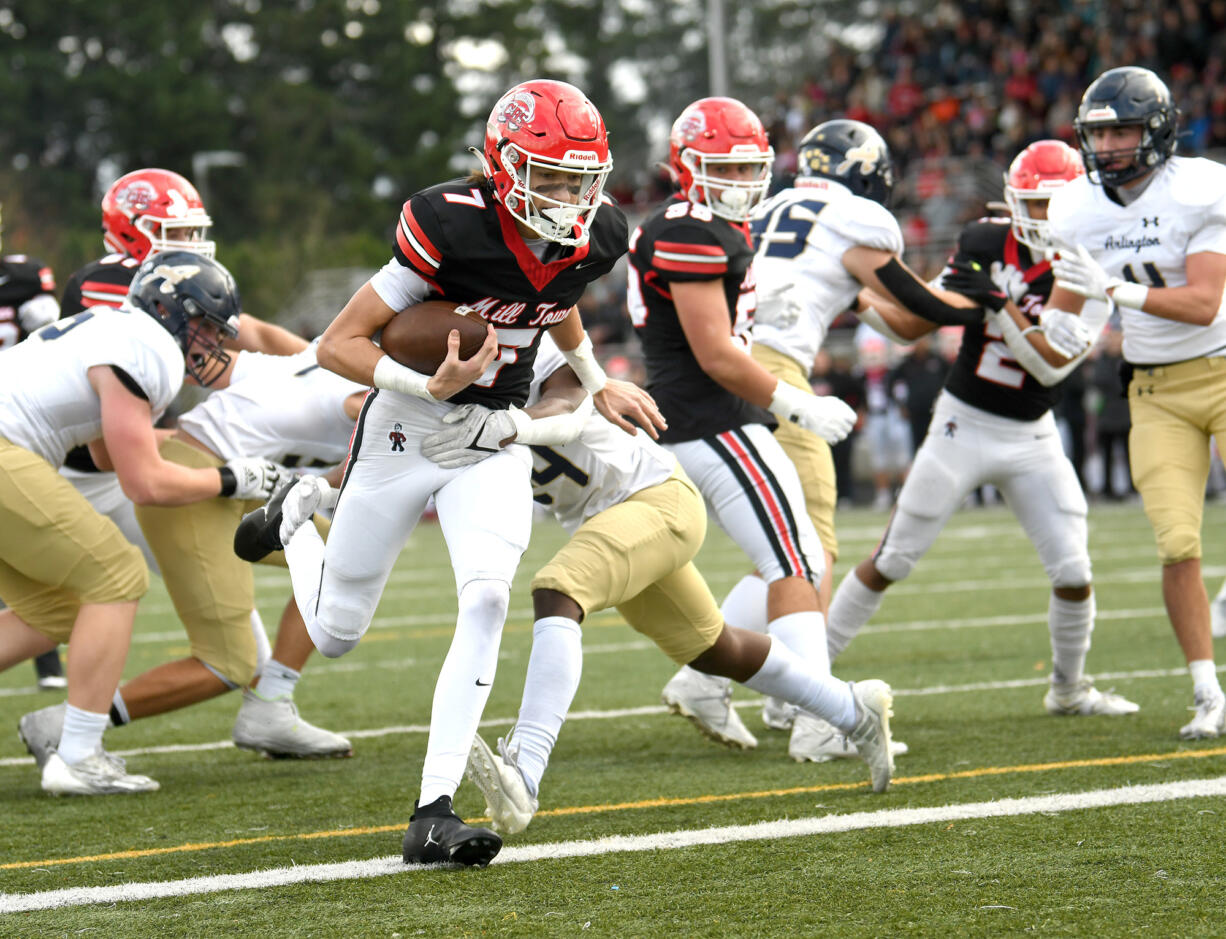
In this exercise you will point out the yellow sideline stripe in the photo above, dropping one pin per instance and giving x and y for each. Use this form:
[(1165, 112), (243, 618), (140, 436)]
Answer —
[(642, 804)]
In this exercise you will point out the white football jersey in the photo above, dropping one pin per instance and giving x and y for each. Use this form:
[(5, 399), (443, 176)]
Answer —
[(281, 407), (802, 234), (1181, 212), (604, 467), (47, 404)]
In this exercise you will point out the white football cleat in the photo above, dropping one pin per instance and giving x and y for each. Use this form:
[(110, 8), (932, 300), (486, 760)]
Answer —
[(1082, 699), (40, 731), (777, 714), (507, 801), (707, 701), (273, 727), (1209, 719), (817, 741), (871, 735), (99, 774)]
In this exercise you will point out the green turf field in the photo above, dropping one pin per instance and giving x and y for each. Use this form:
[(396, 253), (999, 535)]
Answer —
[(963, 642)]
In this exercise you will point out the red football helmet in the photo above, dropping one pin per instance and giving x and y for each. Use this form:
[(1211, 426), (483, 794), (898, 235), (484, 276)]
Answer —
[(1033, 176), (714, 131), (547, 157), (154, 210)]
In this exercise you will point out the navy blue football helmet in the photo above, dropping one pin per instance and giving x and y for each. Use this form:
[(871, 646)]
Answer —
[(184, 292), (1120, 97), (851, 153)]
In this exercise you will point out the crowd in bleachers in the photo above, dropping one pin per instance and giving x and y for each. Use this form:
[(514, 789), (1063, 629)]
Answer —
[(958, 90)]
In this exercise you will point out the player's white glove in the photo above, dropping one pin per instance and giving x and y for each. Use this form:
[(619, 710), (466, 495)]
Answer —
[(309, 495), (471, 434), (828, 417), (38, 311), (1067, 333), (251, 477), (1077, 271)]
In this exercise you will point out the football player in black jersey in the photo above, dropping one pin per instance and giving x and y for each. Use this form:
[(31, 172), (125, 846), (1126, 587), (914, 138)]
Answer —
[(993, 424), (518, 243), (27, 301), (692, 301)]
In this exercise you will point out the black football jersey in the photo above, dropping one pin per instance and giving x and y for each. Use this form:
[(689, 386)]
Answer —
[(680, 242), (985, 374), (22, 278), (466, 246), (103, 282)]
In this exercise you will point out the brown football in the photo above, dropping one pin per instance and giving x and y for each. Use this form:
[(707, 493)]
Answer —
[(417, 336)]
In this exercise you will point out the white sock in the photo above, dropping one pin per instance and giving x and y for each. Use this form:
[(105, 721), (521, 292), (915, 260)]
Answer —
[(463, 685), (805, 634), (1221, 594), (1070, 623), (276, 681), (82, 734), (853, 606), (1204, 678), (554, 668), (745, 605), (786, 676)]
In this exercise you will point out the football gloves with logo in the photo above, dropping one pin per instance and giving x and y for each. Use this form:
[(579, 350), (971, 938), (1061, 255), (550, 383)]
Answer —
[(471, 434), (828, 417), (974, 282), (1067, 333), (251, 477), (1076, 270)]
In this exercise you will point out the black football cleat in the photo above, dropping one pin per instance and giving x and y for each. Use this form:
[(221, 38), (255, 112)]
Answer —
[(436, 835), (259, 533), (50, 671)]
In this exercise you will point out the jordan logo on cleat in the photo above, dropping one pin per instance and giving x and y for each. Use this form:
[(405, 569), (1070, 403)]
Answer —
[(430, 838)]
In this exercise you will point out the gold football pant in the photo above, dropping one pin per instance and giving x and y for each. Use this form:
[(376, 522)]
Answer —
[(212, 589), (1175, 410), (638, 556), (56, 552)]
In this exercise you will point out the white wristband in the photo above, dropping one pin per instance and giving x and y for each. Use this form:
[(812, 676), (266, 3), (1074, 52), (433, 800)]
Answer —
[(788, 400), (1130, 295), (582, 360), (393, 376)]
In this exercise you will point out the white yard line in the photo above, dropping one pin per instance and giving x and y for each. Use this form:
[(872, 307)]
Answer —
[(619, 844)]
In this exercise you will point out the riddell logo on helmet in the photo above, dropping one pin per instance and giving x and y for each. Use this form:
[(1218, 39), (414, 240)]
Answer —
[(581, 156), (137, 195), (1101, 114), (517, 110)]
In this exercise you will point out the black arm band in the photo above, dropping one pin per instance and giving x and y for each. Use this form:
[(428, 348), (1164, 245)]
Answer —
[(229, 482), (916, 297)]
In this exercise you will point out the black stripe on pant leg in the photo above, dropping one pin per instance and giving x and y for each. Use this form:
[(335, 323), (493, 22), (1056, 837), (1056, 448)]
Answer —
[(747, 486), (784, 503)]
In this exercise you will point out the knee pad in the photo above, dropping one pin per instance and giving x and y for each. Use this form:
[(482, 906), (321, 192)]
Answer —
[(485, 601), (337, 623), (1071, 571), (895, 565)]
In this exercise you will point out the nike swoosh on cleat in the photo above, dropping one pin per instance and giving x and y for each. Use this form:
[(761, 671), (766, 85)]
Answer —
[(482, 684)]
